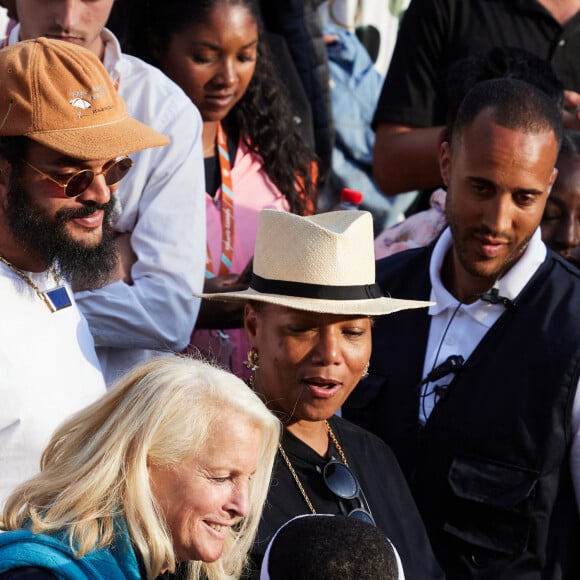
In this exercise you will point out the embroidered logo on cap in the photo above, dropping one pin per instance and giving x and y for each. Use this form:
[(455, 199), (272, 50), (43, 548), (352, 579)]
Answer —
[(80, 103)]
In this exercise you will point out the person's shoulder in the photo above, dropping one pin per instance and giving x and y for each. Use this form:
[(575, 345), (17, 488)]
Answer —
[(563, 272), (144, 76), (422, 9), (24, 537), (402, 257), (553, 289), (385, 267), (356, 436), (23, 548), (566, 266), (154, 99)]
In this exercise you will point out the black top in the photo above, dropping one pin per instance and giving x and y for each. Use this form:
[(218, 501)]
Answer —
[(383, 485), (436, 33), (490, 469)]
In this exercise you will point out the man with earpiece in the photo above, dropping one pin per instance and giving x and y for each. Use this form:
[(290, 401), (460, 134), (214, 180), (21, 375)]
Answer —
[(477, 396)]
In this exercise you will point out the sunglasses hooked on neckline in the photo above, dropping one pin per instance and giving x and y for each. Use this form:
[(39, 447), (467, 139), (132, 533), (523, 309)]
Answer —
[(342, 482)]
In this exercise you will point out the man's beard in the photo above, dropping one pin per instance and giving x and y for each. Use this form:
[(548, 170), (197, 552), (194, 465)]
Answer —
[(45, 236), (481, 270)]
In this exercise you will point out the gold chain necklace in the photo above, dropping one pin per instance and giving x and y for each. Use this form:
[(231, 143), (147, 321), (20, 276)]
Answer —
[(295, 475), (55, 299)]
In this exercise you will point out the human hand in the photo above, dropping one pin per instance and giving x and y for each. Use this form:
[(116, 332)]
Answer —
[(571, 112), (126, 259), (218, 314)]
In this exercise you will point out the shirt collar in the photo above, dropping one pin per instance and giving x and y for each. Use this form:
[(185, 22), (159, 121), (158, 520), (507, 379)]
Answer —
[(509, 285), (112, 56), (14, 34)]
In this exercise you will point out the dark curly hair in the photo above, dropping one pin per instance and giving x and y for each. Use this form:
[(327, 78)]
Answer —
[(262, 116), (14, 150)]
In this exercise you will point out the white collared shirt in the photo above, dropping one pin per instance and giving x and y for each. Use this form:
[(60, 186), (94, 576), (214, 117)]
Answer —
[(162, 202), (457, 328)]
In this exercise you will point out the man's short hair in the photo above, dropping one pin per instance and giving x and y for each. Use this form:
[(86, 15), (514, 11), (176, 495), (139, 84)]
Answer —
[(330, 548), (515, 104)]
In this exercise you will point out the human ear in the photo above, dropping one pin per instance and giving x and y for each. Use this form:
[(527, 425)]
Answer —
[(251, 322), (553, 178), (445, 161)]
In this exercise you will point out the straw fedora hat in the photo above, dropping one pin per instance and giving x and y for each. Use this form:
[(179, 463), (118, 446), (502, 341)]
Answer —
[(321, 263)]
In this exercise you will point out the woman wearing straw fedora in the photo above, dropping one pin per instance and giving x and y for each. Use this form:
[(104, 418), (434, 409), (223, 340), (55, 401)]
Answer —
[(308, 316)]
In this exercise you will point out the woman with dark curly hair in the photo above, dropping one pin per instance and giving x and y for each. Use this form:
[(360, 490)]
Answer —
[(255, 157)]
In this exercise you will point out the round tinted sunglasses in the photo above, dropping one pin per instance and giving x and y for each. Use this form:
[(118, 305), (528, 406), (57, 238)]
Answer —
[(341, 481), (78, 182)]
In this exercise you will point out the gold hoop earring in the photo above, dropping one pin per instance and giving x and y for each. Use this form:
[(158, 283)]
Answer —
[(366, 371), (252, 361)]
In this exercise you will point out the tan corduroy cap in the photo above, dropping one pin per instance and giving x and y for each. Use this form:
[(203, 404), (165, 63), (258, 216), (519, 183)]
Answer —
[(321, 263), (61, 96)]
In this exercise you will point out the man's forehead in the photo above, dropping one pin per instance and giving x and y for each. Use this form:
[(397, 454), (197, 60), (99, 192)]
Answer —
[(484, 138), (486, 125)]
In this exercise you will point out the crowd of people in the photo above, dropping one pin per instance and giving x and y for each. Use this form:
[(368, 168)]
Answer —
[(208, 369)]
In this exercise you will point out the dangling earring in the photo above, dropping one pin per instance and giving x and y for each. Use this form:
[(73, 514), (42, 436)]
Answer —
[(252, 363), (366, 371)]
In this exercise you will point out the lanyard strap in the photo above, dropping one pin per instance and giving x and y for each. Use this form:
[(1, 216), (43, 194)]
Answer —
[(227, 210)]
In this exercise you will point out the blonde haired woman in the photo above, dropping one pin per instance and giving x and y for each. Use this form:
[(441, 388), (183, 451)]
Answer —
[(172, 465)]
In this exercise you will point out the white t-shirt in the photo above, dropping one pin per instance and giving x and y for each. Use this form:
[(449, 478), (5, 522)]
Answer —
[(48, 370)]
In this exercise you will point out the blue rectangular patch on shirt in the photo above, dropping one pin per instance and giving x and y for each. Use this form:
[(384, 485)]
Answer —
[(59, 298)]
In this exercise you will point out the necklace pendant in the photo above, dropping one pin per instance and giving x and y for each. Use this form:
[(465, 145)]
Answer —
[(57, 298)]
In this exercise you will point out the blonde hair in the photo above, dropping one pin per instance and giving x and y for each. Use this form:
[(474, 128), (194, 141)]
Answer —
[(95, 467)]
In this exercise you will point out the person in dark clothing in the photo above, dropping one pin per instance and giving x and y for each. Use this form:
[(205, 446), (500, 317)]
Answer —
[(436, 33), (478, 395), (308, 318)]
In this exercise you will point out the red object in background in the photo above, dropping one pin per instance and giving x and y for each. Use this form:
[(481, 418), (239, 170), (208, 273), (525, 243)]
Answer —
[(350, 198)]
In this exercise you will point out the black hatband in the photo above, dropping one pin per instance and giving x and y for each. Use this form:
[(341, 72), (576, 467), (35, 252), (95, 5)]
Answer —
[(317, 291)]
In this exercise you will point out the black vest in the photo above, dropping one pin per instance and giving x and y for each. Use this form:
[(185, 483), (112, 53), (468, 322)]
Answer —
[(490, 469)]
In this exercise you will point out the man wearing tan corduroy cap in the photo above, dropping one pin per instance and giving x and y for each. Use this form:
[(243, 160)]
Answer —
[(63, 151), (161, 221)]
